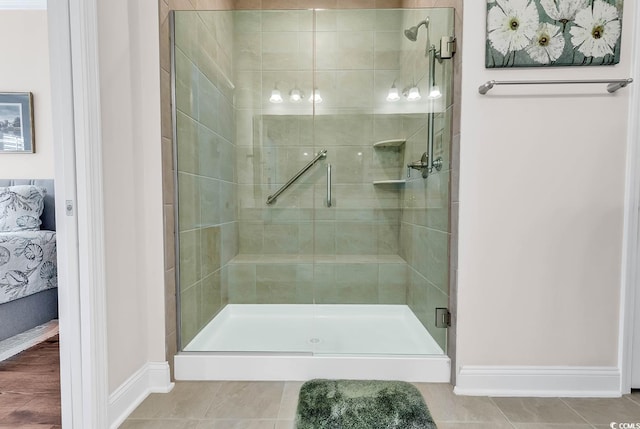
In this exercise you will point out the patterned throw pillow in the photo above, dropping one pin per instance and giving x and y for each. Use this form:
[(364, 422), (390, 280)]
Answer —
[(21, 207)]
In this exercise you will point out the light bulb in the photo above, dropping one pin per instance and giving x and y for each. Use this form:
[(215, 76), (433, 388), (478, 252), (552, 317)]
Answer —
[(434, 92), (414, 94), (295, 95), (393, 94), (276, 97), (315, 97)]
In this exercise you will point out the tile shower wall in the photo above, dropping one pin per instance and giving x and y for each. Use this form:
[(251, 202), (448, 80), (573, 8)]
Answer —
[(207, 185), (354, 52)]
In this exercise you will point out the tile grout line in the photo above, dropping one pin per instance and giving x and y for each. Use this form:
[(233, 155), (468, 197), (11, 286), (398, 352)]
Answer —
[(577, 413), (284, 388), (501, 412), (219, 385), (630, 397)]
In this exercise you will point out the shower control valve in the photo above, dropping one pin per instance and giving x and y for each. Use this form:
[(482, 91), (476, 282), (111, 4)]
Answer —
[(422, 165), (437, 163)]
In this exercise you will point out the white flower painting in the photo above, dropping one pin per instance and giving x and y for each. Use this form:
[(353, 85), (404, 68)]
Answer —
[(563, 10), (528, 33), (512, 24), (597, 30), (548, 44)]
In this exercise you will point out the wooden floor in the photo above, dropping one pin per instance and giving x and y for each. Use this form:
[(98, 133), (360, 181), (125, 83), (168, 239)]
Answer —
[(30, 388)]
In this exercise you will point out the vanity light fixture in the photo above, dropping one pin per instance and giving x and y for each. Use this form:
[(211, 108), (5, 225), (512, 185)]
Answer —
[(295, 95), (393, 95), (434, 92), (315, 97), (412, 93), (276, 97)]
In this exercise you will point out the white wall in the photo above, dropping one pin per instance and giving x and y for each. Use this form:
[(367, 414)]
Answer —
[(130, 103), (28, 71), (541, 211)]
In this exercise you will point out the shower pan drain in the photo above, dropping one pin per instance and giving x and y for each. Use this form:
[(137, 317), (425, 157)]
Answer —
[(314, 340)]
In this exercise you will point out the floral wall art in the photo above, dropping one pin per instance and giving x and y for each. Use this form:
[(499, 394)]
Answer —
[(530, 33)]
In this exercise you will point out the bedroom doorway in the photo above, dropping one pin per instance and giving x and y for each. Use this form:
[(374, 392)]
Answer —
[(29, 388)]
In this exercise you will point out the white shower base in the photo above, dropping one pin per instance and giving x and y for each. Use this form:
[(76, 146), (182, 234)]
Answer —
[(300, 342)]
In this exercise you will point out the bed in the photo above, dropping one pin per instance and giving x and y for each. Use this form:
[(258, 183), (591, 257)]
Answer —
[(28, 269)]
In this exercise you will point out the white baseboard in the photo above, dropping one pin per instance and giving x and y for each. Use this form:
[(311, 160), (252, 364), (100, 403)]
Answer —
[(21, 342), (153, 377), (552, 381)]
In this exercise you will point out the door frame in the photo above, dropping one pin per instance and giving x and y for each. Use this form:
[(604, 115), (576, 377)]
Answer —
[(73, 44), (629, 331)]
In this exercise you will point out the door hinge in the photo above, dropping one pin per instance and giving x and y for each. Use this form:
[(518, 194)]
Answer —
[(443, 318)]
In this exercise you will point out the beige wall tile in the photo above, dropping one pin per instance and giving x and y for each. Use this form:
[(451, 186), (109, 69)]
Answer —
[(251, 237), (392, 283), (214, 4), (186, 85), (211, 297), (356, 238), (355, 50), (180, 4), (187, 145), (248, 51), (229, 241), (190, 318), (189, 201), (190, 258), (356, 4), (211, 250), (242, 283), (170, 301), (247, 4), (168, 186), (385, 4), (169, 237)]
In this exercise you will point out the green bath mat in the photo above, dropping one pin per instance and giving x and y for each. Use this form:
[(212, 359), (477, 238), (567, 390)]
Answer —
[(350, 404)]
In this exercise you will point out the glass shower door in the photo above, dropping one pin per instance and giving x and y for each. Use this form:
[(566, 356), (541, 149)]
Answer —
[(273, 271), (259, 94), (381, 246)]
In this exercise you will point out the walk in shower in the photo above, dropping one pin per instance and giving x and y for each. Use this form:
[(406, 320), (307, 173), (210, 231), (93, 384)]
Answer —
[(312, 169)]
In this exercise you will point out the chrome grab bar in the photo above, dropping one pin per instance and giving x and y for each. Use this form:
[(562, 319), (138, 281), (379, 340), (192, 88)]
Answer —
[(272, 198), (328, 185)]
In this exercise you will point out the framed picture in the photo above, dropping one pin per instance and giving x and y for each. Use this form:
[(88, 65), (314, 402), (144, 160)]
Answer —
[(538, 33), (16, 122)]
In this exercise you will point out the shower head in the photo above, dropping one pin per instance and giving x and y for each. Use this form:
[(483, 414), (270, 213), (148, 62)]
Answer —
[(412, 33)]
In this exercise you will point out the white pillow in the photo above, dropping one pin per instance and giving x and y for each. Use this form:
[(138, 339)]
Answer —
[(21, 207)]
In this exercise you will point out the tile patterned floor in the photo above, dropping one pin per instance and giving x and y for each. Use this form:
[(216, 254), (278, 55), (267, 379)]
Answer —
[(271, 405)]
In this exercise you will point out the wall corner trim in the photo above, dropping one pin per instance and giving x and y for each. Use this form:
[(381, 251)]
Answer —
[(152, 377), (23, 4), (539, 381)]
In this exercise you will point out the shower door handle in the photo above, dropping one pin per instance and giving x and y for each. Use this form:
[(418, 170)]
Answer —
[(328, 185)]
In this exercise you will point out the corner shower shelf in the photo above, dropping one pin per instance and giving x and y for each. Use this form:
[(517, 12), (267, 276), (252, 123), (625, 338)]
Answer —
[(390, 182), (390, 143)]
